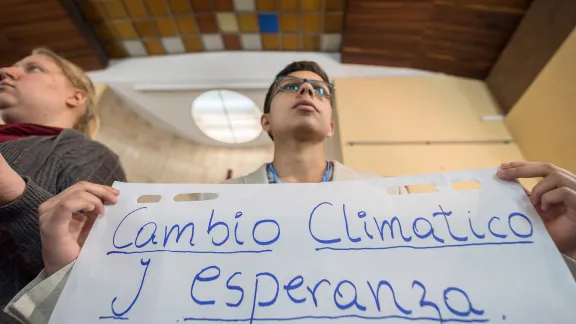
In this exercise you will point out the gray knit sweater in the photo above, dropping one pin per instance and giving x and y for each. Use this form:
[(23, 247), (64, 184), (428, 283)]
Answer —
[(49, 165)]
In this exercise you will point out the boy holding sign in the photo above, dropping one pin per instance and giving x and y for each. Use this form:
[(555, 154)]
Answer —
[(298, 119)]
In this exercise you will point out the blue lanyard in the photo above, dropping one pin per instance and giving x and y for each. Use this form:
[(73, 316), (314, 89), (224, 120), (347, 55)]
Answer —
[(324, 178)]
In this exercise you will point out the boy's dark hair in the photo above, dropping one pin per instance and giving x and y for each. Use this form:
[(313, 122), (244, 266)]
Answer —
[(291, 68)]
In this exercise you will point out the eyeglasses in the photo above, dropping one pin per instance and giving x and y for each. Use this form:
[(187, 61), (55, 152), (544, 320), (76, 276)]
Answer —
[(294, 84)]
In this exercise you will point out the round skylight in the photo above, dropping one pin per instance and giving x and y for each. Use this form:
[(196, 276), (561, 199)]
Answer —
[(227, 116)]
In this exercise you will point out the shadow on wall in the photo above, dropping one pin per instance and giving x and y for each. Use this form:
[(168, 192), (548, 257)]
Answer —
[(155, 156)]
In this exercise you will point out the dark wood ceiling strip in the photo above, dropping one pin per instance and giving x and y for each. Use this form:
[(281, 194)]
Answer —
[(98, 49), (544, 28), (27, 24), (462, 38)]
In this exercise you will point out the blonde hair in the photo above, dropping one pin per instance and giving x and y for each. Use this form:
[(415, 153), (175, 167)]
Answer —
[(89, 122)]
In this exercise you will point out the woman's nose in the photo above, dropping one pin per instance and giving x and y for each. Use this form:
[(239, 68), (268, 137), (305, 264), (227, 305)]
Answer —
[(9, 72)]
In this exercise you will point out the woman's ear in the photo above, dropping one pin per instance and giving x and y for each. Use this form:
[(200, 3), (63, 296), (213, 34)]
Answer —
[(76, 99), (265, 122)]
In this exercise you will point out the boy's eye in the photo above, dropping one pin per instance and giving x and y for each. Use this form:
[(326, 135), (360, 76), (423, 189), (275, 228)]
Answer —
[(292, 87)]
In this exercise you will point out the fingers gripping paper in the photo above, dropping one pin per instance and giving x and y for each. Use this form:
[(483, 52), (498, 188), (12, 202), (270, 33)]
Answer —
[(311, 253)]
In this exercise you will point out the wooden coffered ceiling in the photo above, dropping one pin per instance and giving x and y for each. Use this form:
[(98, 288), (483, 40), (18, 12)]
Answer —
[(132, 28), (458, 37)]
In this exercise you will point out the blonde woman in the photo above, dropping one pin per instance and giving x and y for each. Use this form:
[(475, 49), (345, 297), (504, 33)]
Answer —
[(47, 104)]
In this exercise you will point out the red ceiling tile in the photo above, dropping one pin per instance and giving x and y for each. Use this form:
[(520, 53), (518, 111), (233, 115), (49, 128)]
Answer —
[(207, 23), (232, 42), (223, 5), (334, 5), (201, 5)]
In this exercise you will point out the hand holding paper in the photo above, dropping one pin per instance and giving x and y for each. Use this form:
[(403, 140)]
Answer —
[(554, 198), (315, 252), (66, 220)]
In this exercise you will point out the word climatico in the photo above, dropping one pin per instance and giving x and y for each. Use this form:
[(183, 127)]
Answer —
[(344, 293)]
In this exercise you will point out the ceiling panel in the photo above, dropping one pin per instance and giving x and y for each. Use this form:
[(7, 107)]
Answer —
[(459, 37), (27, 24), (214, 25)]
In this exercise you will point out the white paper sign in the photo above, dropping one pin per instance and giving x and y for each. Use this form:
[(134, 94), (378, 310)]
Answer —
[(311, 253)]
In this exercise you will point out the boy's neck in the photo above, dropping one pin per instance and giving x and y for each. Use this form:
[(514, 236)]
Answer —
[(299, 162)]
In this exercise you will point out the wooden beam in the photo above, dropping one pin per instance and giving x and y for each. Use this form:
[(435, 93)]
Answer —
[(84, 28), (28, 24), (457, 37), (543, 29)]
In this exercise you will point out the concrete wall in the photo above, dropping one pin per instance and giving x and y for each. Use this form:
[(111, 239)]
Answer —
[(153, 155)]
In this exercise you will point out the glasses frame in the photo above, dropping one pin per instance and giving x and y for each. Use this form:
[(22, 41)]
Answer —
[(280, 78)]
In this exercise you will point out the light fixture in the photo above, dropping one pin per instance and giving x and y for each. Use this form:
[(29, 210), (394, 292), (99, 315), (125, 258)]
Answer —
[(227, 116)]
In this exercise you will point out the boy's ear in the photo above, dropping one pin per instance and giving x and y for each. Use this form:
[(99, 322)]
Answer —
[(265, 122), (331, 133)]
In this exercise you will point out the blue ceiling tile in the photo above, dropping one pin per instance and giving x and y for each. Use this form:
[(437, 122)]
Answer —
[(268, 22)]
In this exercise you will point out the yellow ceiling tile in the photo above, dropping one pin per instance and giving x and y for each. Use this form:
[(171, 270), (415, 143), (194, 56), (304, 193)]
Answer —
[(186, 25), (145, 28), (125, 30), (227, 22), (311, 23), (193, 44), (270, 42), (289, 22), (290, 42), (333, 23), (136, 8), (289, 5), (115, 9), (154, 47), (310, 43), (248, 22), (266, 5), (93, 11), (165, 27), (157, 7), (311, 5), (106, 32), (180, 6)]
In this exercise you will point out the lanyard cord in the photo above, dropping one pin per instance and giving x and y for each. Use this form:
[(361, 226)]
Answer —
[(324, 178)]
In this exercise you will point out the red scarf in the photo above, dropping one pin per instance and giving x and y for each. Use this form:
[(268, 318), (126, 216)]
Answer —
[(17, 131)]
